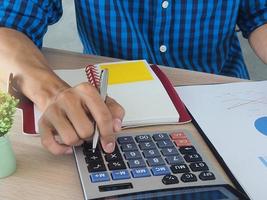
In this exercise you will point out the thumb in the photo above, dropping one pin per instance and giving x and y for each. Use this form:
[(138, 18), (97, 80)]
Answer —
[(117, 112)]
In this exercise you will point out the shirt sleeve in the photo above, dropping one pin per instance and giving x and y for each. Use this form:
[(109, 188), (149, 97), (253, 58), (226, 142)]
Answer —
[(31, 17), (252, 14)]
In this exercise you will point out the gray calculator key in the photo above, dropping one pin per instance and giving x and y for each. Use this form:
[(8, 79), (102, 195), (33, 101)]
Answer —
[(151, 153), (164, 143), (136, 163), (169, 151), (147, 145), (143, 138), (129, 147), (125, 139), (129, 155), (172, 160), (155, 161), (160, 136)]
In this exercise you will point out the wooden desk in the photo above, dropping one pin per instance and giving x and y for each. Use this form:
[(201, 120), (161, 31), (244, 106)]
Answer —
[(43, 176)]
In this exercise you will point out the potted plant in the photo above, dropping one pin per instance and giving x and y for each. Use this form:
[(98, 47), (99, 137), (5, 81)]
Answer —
[(7, 158)]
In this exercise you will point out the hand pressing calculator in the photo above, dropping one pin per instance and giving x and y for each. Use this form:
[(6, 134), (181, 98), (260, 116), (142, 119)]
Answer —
[(152, 165)]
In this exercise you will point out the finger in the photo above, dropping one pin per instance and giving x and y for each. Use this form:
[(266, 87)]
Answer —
[(63, 126), (117, 112), (48, 139), (79, 119), (101, 114)]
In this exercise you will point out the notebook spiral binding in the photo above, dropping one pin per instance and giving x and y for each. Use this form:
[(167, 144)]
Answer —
[(92, 75)]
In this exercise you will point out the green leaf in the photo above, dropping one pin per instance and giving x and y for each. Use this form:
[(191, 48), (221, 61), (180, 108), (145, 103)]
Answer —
[(7, 110)]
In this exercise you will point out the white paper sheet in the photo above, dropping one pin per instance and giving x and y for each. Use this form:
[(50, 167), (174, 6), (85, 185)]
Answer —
[(234, 118)]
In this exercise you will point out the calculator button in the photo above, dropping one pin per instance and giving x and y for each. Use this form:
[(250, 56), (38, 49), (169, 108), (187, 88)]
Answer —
[(170, 179), (140, 172), (204, 176), (182, 142), (198, 166), (160, 170), (188, 177), (96, 167), (147, 145), (155, 161), (178, 135), (171, 160), (169, 151), (113, 156), (164, 143), (129, 147), (195, 157), (99, 177), (179, 168), (137, 163), (151, 153), (143, 138), (89, 152), (120, 174), (115, 165), (160, 136), (93, 158), (88, 145), (187, 150), (125, 139), (129, 155)]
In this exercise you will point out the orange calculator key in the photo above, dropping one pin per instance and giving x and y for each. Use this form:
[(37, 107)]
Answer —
[(182, 142), (178, 135)]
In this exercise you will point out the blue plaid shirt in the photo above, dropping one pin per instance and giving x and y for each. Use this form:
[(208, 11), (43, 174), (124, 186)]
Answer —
[(191, 34)]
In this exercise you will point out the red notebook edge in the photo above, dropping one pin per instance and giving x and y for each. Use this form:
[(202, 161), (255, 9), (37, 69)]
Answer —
[(27, 108), (177, 102)]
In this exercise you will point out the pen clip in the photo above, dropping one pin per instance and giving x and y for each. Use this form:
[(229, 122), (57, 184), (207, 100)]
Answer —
[(103, 83)]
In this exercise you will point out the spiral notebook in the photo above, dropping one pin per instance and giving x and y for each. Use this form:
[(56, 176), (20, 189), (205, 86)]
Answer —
[(143, 90)]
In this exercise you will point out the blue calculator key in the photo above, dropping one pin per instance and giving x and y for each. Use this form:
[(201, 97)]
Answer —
[(165, 143), (172, 160), (137, 163), (99, 177), (143, 138), (129, 155), (155, 161), (120, 174), (160, 170), (125, 139), (147, 145), (160, 136), (129, 147), (151, 153), (169, 151), (140, 172)]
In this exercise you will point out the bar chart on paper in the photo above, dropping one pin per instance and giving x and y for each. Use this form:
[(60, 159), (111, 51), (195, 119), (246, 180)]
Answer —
[(234, 118)]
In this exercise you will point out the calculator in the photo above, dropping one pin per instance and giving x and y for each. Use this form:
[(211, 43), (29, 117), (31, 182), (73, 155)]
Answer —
[(150, 165)]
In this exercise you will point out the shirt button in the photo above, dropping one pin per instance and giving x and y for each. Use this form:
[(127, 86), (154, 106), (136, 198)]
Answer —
[(165, 4), (163, 48)]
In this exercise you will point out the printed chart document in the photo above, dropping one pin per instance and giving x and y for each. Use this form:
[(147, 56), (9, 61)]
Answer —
[(234, 118)]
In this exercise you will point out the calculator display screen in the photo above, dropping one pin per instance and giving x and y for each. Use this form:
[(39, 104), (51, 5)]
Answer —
[(214, 192)]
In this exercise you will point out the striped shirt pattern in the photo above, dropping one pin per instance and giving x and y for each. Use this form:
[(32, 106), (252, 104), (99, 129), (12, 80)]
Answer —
[(191, 34)]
